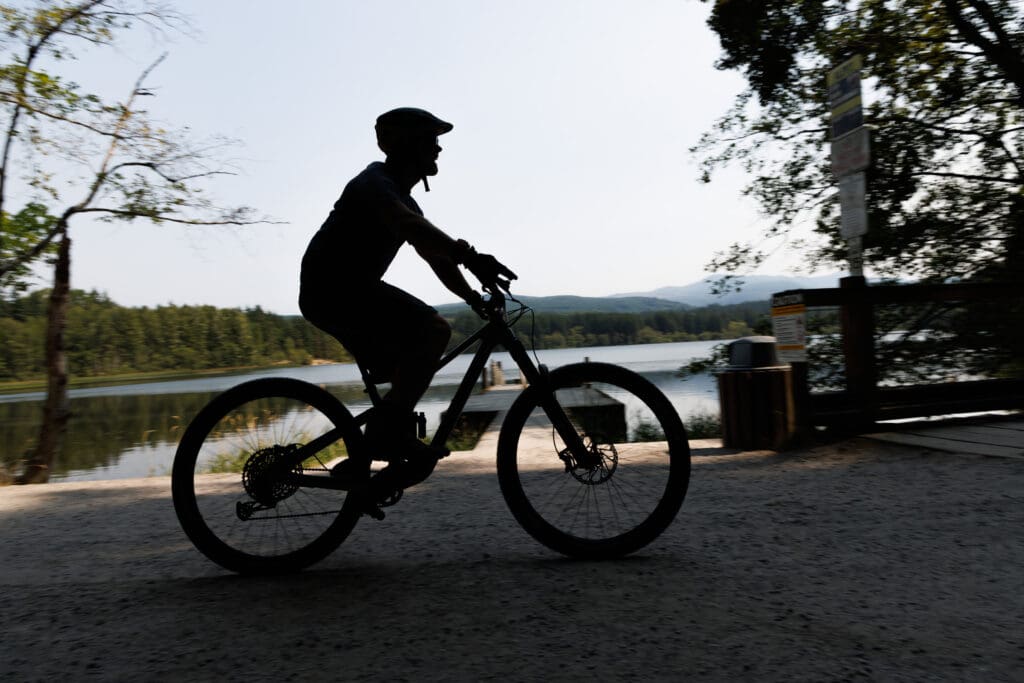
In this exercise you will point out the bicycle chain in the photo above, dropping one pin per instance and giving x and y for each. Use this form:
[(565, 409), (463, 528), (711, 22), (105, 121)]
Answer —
[(294, 514)]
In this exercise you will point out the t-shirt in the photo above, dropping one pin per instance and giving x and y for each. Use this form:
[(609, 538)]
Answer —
[(354, 246)]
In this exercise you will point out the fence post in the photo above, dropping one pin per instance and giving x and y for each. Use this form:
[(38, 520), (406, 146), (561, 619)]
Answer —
[(800, 397), (858, 329)]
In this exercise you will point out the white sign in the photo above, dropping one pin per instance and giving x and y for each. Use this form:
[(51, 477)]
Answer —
[(789, 316), (852, 193), (851, 153)]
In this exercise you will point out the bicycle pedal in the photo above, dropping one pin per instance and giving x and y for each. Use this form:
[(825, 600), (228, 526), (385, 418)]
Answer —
[(391, 499), (374, 511)]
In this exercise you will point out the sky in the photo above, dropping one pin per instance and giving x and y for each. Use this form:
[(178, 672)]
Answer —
[(569, 158)]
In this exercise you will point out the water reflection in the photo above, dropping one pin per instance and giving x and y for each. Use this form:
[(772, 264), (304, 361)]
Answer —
[(133, 431), (113, 437)]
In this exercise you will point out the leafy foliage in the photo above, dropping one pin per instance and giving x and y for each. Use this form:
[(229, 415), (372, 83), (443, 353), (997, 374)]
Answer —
[(22, 232), (69, 148), (574, 330), (945, 82), (104, 338)]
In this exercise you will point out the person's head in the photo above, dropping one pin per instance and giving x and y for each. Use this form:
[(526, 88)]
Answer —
[(408, 136)]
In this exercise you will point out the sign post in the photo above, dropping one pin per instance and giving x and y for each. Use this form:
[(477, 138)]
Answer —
[(851, 155)]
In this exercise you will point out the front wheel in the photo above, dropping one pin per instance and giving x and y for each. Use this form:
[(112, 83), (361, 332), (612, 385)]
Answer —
[(231, 478), (627, 486)]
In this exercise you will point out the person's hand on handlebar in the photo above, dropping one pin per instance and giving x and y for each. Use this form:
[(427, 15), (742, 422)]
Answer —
[(478, 304), (487, 269)]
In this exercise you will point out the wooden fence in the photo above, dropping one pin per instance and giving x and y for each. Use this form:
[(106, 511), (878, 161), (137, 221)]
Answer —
[(863, 401)]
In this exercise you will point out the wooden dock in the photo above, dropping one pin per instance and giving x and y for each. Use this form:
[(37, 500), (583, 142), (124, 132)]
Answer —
[(1000, 436), (585, 403)]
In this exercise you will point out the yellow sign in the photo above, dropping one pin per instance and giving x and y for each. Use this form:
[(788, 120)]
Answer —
[(789, 316), (845, 70)]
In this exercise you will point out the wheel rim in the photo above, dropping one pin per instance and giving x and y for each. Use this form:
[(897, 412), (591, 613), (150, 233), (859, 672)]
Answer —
[(244, 508), (621, 489)]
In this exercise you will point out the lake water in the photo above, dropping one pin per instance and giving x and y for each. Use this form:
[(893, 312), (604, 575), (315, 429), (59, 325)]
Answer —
[(133, 430)]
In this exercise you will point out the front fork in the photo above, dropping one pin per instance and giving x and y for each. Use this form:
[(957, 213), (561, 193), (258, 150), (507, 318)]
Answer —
[(576, 454)]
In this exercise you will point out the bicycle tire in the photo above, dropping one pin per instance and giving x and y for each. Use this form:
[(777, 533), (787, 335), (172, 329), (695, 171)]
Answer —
[(219, 474), (567, 509)]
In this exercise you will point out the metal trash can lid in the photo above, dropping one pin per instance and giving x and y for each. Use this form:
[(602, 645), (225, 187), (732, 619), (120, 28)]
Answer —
[(753, 352)]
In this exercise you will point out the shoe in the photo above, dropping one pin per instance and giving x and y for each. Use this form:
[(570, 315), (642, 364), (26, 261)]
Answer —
[(390, 437), (417, 464)]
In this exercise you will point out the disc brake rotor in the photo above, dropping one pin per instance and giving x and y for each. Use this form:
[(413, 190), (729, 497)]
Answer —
[(601, 462)]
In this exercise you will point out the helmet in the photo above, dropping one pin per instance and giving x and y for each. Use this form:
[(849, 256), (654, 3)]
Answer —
[(399, 127)]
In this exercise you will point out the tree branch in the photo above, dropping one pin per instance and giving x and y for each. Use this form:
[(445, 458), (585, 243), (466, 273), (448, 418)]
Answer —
[(32, 253), (12, 127), (166, 218), (1002, 53), (155, 168), (967, 176)]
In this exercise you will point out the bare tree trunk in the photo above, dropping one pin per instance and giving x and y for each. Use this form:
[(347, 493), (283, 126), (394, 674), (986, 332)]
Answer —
[(56, 409)]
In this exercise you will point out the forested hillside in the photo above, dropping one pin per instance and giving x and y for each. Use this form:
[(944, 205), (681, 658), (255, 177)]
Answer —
[(104, 338), (569, 330)]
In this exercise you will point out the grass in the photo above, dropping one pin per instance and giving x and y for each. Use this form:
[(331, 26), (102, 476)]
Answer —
[(77, 381), (699, 425), (703, 425), (235, 462), (468, 431), (645, 430)]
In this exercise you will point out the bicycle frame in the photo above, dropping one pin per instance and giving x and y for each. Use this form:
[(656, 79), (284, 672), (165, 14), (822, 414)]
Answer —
[(492, 334), (496, 331)]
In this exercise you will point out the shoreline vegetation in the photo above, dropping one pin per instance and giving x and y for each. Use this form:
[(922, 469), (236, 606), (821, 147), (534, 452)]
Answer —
[(109, 344), (39, 383)]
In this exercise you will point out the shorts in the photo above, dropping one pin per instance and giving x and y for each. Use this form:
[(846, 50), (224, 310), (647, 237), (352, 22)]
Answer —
[(381, 326)]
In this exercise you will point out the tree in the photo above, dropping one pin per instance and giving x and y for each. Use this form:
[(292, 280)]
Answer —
[(19, 236), (946, 91), (86, 155)]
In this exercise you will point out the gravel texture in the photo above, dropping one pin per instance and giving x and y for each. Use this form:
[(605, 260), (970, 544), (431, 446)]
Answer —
[(856, 561)]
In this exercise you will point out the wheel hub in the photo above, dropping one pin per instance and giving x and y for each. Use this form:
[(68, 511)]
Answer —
[(602, 459), (262, 474)]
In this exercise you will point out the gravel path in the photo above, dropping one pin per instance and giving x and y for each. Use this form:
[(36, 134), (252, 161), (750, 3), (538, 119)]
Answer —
[(861, 561)]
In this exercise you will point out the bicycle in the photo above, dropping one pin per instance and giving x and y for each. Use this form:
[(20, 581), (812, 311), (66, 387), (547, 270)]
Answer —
[(592, 460)]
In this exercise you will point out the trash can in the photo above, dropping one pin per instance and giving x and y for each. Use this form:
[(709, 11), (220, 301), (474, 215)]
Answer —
[(755, 394)]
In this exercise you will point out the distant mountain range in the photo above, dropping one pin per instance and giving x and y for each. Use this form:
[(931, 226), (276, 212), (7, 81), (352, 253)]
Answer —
[(693, 295), (754, 288)]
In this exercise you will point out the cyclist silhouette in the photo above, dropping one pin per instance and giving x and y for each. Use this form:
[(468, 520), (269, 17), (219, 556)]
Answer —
[(395, 336)]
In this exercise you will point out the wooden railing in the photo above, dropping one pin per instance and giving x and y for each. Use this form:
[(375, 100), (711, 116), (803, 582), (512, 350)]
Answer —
[(863, 402)]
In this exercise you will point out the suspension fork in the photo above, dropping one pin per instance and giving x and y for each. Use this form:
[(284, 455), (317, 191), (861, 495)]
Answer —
[(538, 377)]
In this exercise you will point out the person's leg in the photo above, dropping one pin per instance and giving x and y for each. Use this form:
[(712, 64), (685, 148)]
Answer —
[(399, 338), (409, 338), (417, 363)]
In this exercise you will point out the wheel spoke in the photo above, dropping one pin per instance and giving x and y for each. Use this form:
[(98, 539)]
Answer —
[(234, 452), (615, 502)]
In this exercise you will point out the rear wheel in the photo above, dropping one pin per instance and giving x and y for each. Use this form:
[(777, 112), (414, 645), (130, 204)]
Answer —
[(229, 480), (628, 485)]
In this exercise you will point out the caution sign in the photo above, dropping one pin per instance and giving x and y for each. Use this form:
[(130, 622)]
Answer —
[(789, 318)]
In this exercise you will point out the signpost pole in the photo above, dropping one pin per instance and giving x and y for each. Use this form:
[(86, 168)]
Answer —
[(851, 155)]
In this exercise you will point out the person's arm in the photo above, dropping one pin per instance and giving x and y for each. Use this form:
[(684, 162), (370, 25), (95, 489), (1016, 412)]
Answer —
[(442, 253)]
